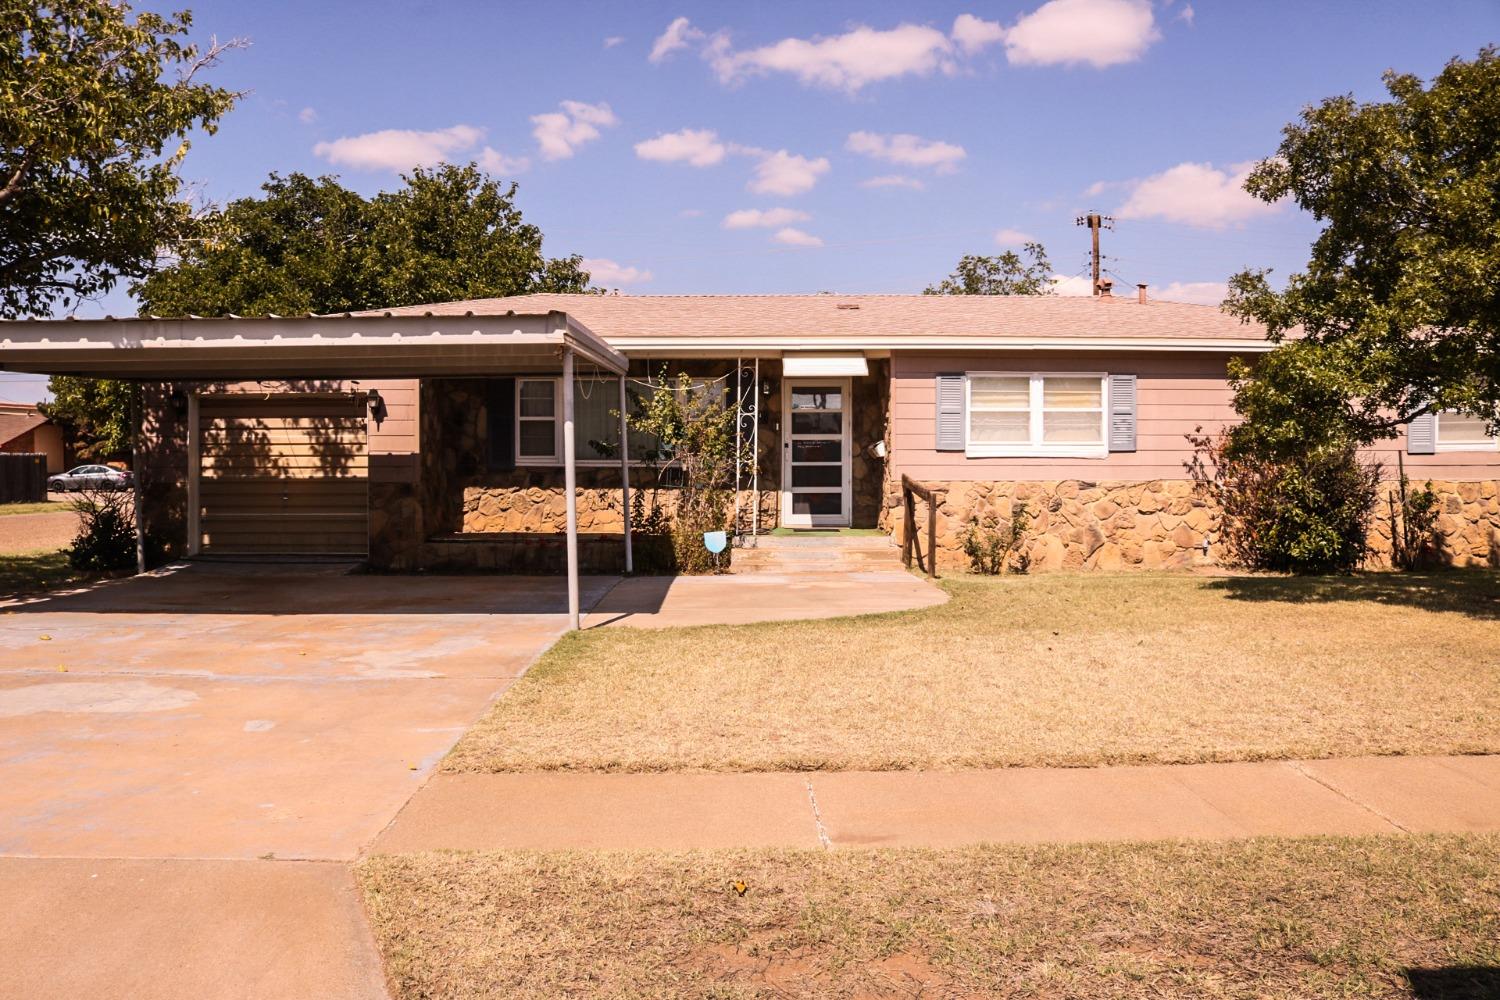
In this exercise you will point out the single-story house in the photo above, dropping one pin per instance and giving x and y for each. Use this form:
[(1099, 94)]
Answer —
[(24, 428), (434, 436)]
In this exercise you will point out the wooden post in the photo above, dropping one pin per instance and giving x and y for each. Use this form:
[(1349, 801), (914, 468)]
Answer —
[(931, 536), (625, 476), (570, 484)]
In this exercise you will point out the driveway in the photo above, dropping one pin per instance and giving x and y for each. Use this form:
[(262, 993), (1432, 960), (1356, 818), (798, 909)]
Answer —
[(190, 757)]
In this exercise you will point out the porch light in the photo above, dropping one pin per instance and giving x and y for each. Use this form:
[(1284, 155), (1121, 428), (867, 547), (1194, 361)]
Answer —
[(377, 407)]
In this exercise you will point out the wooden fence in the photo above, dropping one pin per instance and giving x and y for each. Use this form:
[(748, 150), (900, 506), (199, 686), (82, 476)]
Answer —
[(23, 477)]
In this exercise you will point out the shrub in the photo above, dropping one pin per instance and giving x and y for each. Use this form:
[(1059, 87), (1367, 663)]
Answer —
[(1413, 518), (1305, 512), (994, 546), (694, 431), (106, 532)]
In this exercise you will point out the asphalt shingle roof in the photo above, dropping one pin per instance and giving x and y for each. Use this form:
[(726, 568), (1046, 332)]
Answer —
[(621, 318)]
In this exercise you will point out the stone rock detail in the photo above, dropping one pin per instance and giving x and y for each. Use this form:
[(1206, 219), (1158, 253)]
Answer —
[(1163, 524), (1467, 532)]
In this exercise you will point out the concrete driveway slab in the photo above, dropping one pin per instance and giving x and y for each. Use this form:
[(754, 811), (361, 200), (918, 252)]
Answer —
[(183, 930)]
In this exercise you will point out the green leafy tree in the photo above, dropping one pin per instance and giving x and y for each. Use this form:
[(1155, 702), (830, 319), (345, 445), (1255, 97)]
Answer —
[(1398, 309), (1025, 273), (312, 246), (95, 109)]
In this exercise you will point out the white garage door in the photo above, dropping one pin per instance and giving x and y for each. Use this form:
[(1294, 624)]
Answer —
[(283, 475)]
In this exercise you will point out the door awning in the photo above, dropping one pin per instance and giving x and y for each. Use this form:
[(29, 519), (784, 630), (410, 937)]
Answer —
[(343, 346), (823, 365)]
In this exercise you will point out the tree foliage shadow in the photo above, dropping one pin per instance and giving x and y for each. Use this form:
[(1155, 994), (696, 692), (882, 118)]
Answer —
[(1475, 593), (1455, 982)]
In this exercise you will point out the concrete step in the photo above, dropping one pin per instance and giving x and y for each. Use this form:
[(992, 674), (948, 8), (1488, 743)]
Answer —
[(817, 554)]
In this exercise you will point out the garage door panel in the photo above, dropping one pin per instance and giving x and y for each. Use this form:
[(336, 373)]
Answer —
[(283, 475)]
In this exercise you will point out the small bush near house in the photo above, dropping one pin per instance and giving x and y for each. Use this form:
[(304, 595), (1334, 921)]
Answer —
[(695, 431), (106, 533), (1413, 518), (1305, 513), (994, 546)]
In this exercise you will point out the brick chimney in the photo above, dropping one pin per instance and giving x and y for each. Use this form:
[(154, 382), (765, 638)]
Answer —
[(1140, 294), (1104, 288)]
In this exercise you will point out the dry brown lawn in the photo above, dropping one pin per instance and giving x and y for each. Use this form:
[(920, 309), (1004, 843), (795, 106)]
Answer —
[(1047, 670), (1306, 919)]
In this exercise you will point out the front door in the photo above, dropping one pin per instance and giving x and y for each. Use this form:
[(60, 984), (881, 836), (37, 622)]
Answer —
[(815, 453)]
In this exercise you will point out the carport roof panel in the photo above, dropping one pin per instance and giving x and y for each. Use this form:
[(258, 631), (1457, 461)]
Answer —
[(344, 346)]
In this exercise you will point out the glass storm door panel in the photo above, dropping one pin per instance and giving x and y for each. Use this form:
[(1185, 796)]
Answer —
[(815, 453)]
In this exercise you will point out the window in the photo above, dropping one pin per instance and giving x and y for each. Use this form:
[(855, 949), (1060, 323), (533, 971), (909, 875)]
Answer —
[(1042, 414), (596, 422), (1463, 432), (538, 436)]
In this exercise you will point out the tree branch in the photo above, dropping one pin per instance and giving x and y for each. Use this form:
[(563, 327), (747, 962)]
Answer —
[(13, 186)]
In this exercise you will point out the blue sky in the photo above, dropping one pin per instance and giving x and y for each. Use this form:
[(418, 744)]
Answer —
[(853, 147)]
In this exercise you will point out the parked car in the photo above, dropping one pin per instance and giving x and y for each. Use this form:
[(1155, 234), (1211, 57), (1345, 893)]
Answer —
[(91, 477)]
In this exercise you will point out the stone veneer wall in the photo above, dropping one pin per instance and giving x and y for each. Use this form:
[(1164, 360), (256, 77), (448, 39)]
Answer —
[(1163, 524)]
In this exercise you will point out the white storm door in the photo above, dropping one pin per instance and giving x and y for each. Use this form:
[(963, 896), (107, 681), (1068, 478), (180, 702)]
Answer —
[(815, 487)]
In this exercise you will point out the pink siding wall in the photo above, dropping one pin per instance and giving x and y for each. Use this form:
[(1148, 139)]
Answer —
[(1176, 393), (395, 444)]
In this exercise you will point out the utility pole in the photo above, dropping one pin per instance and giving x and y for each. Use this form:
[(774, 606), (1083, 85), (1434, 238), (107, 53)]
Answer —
[(1095, 222)]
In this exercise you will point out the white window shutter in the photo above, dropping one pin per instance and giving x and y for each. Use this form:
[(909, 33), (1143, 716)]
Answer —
[(1122, 413), (1421, 435), (950, 413)]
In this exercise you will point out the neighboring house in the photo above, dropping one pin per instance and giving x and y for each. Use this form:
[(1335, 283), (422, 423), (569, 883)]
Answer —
[(24, 428), (450, 450)]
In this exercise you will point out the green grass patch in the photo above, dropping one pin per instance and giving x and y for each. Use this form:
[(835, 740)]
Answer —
[(43, 507), (36, 572)]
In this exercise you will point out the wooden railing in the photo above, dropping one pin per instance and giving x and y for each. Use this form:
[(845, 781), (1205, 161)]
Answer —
[(910, 491)]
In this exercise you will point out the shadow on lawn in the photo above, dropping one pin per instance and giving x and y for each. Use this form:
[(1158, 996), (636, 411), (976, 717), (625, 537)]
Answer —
[(1475, 593), (1455, 982)]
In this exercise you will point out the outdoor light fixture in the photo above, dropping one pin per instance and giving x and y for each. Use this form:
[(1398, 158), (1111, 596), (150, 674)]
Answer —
[(377, 407)]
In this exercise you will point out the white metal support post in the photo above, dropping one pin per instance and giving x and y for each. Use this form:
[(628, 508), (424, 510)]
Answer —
[(625, 476), (194, 472), (570, 485)]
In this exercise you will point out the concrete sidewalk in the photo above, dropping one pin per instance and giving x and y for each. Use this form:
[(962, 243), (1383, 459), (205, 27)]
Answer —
[(945, 809)]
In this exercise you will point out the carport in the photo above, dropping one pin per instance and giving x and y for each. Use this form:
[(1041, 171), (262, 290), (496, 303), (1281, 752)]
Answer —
[(347, 347)]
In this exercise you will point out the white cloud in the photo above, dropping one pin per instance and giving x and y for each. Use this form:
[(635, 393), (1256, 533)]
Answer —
[(783, 173), (492, 161), (679, 34), (974, 34), (1098, 32), (1075, 285), (696, 147), (893, 181), (1013, 238), (907, 150), (613, 40), (559, 134), (767, 218), (307, 115), (1195, 194), (603, 271), (796, 238), (690, 213), (1186, 14), (860, 56), (1208, 293), (399, 149)]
